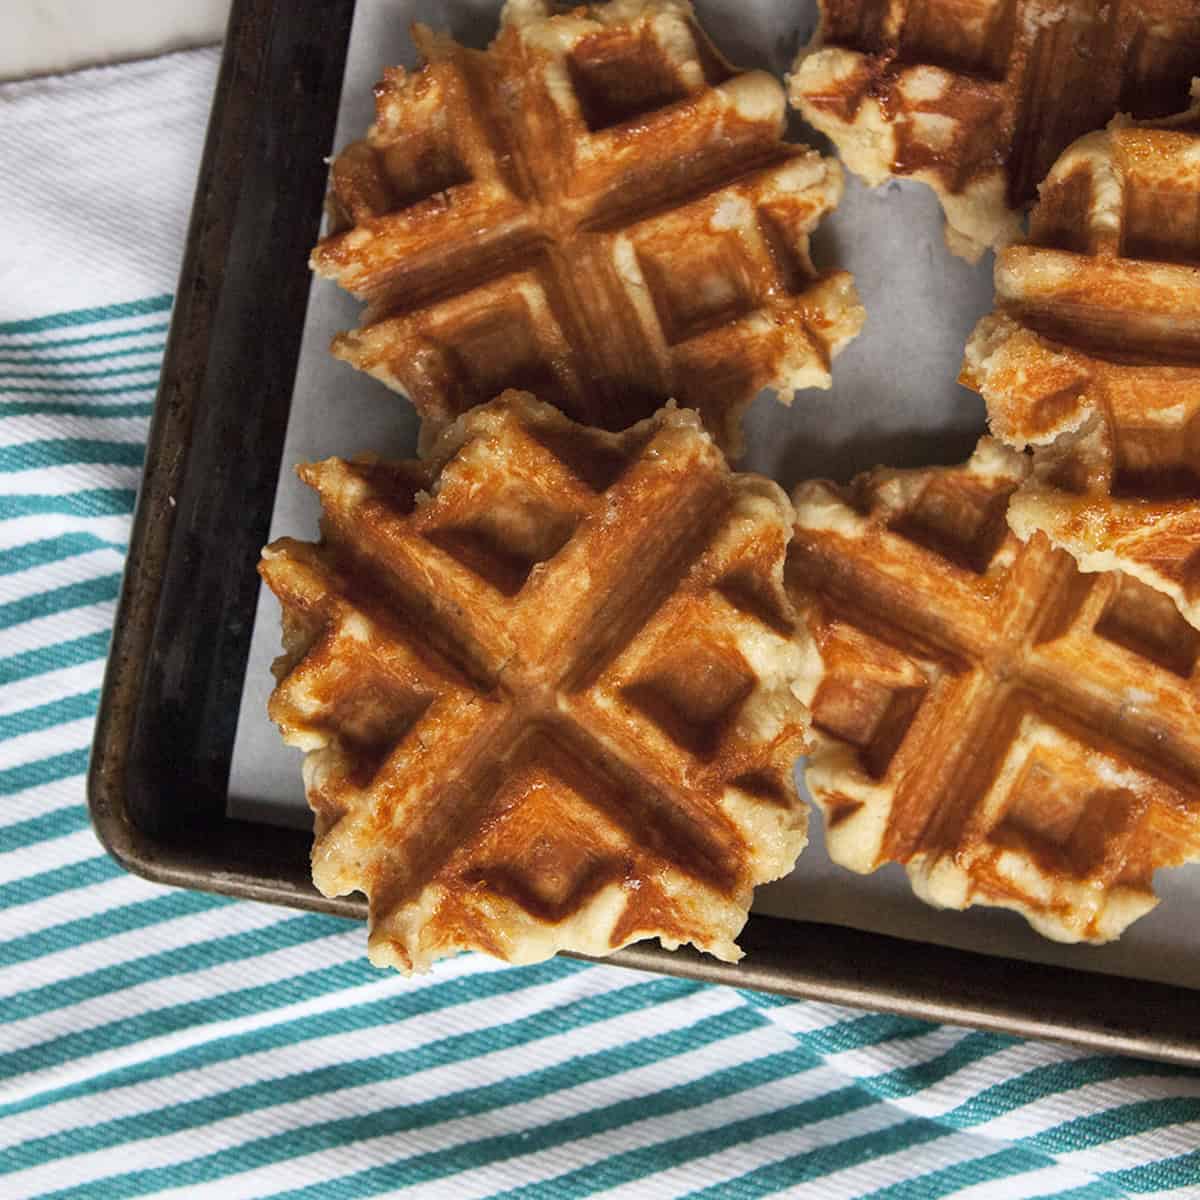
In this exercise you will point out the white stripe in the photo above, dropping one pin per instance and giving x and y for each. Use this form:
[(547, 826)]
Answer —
[(1138, 1149), (1046, 1181), (178, 1087), (71, 905), (407, 1087), (40, 801), (512, 1119), (198, 1082), (1187, 1192), (57, 628), (63, 480), (730, 1162), (266, 969), (125, 948), (207, 984), (880, 1058), (1049, 1112), (53, 685), (809, 1017), (58, 852), (90, 329), (36, 427), (47, 577), (56, 404), (86, 354), (32, 372), (586, 1151), (913, 1164), (969, 1080), (29, 748), (19, 531)]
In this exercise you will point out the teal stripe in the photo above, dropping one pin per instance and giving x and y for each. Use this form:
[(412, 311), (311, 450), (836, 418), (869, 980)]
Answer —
[(49, 550), (43, 771), (46, 716), (633, 1165), (424, 1168), (1161, 1176), (713, 1087), (277, 1148), (88, 316), (91, 373), (127, 918), (54, 344), (44, 884), (55, 408), (91, 502), (815, 1164), (1098, 1190), (1052, 1079), (115, 390), (59, 822), (44, 659), (66, 360), (369, 1014), (868, 1029), (455, 1048), (180, 960), (57, 452), (1003, 1164), (62, 599), (1124, 1120), (125, 1031)]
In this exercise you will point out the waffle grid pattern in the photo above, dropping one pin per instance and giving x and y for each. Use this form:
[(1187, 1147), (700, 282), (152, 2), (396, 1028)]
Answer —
[(1015, 732), (1093, 356), (598, 210), (978, 99), (549, 701)]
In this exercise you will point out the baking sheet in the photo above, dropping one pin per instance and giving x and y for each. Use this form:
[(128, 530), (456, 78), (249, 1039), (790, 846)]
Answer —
[(894, 401)]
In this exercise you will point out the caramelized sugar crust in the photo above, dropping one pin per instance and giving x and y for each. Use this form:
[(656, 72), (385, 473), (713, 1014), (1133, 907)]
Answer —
[(1092, 357), (1014, 732), (978, 98), (544, 680), (598, 209)]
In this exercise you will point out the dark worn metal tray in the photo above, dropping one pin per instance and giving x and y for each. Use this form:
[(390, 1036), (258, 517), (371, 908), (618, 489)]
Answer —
[(164, 739)]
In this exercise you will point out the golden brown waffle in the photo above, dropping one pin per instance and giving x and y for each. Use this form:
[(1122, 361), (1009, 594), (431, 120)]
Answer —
[(977, 98), (544, 683), (1093, 356), (598, 209), (1012, 731)]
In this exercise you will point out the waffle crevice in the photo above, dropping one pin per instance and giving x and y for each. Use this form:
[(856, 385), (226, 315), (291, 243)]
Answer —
[(1015, 733), (1092, 356), (516, 218), (534, 719), (978, 99)]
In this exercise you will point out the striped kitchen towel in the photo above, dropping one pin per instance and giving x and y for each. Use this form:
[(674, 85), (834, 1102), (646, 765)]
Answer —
[(157, 1041)]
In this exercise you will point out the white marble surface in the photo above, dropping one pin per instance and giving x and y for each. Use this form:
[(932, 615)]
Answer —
[(42, 37)]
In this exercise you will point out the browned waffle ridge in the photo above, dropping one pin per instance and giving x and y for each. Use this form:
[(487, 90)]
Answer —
[(1092, 357), (544, 682), (978, 98), (597, 209), (1014, 732)]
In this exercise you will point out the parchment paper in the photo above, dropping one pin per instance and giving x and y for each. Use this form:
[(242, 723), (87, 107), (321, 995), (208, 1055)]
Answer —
[(894, 401)]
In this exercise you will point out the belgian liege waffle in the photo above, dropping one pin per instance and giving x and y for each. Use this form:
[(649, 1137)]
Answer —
[(598, 209), (544, 682), (977, 98), (1014, 732), (1093, 356)]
